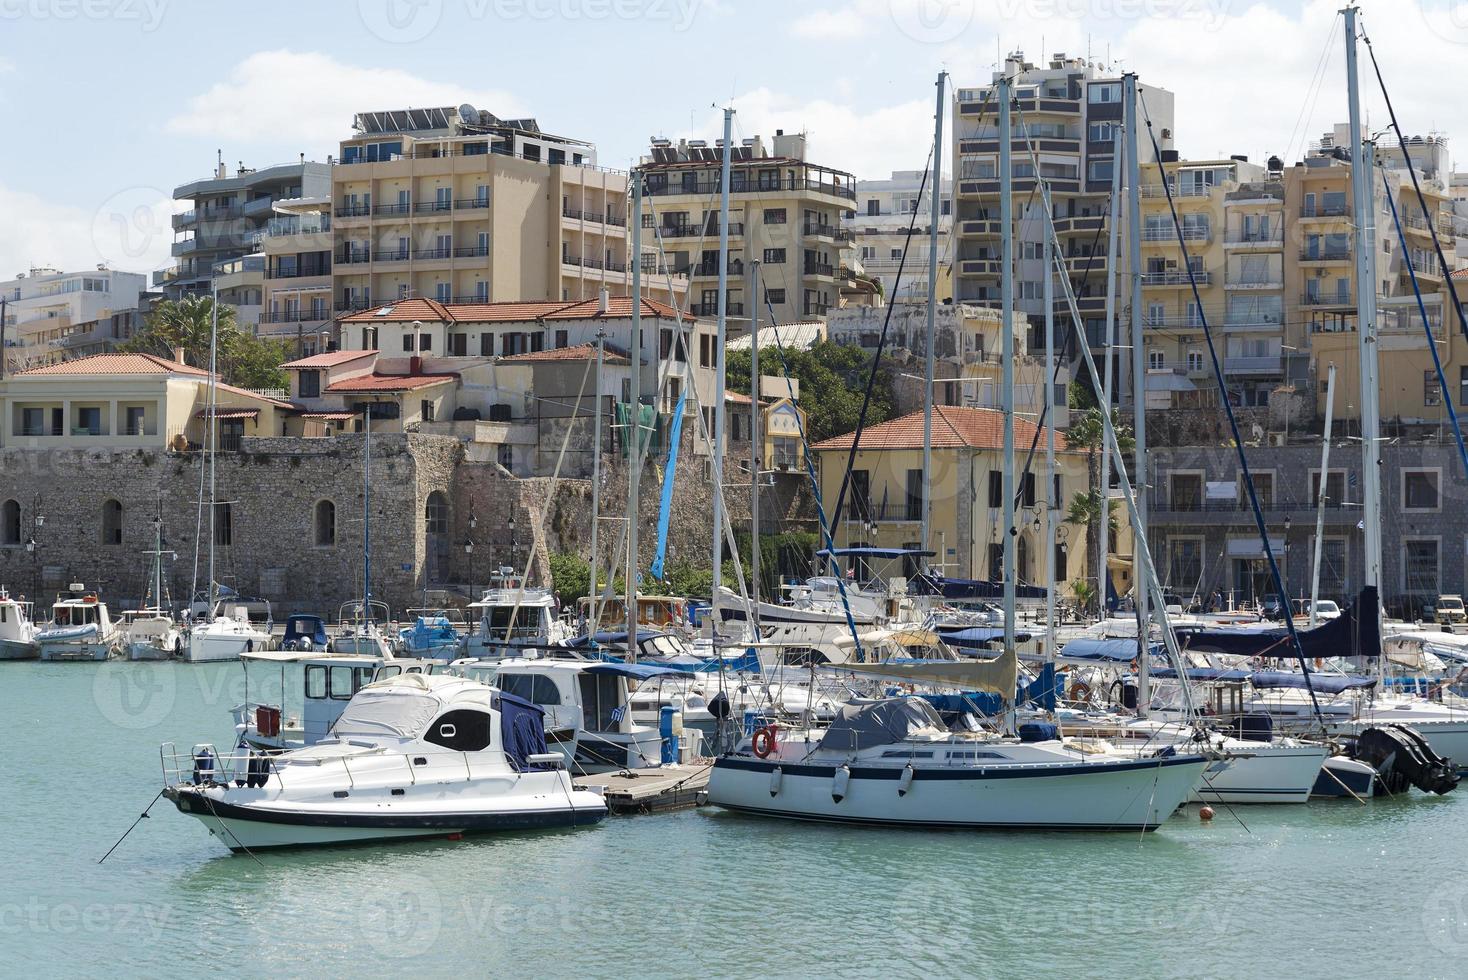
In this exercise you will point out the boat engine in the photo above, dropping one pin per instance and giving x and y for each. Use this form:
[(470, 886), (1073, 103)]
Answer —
[(1403, 758)]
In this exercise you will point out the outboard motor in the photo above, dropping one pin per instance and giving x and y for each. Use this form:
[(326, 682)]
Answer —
[(1402, 758)]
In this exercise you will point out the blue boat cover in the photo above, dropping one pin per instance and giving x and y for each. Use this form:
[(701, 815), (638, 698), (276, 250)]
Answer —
[(304, 627), (1355, 633), (1202, 673), (1112, 650), (873, 553), (1320, 683), (640, 672), (609, 638), (970, 588), (522, 730)]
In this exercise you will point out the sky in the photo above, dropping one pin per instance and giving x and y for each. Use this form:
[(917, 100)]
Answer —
[(109, 104)]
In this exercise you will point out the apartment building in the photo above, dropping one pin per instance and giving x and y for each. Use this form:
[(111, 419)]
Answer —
[(885, 212), (459, 206), (784, 210), (1068, 112), (52, 315), (296, 253), (227, 218)]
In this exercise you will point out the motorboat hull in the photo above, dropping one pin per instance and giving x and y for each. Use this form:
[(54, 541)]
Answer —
[(258, 824), (1264, 772), (1101, 796), (19, 650), (212, 648), (86, 646)]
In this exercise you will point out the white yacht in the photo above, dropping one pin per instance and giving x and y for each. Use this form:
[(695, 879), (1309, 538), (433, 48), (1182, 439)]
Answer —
[(411, 757), (227, 635), (510, 619), (17, 631), (80, 629), (151, 634)]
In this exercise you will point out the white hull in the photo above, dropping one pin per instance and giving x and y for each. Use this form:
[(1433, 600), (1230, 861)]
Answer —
[(206, 647), (1447, 737), (143, 650), (1130, 795), (18, 650), (1262, 772), (77, 650)]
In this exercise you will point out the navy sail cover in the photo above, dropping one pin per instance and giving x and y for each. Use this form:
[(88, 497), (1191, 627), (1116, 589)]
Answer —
[(1356, 633)]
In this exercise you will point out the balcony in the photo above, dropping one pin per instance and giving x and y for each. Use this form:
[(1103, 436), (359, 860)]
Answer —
[(1325, 254), (297, 272), (1181, 321), (471, 204), (388, 210), (1168, 235), (827, 231), (736, 268), (433, 253), (712, 309), (1313, 298), (1191, 190), (353, 211), (354, 256), (1242, 242), (434, 207), (1325, 210), (706, 188), (1175, 278), (471, 298), (295, 316), (471, 251), (1255, 282), (392, 255), (820, 269), (1267, 364)]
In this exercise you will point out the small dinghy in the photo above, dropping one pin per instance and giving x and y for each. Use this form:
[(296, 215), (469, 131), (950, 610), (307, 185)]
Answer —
[(411, 757)]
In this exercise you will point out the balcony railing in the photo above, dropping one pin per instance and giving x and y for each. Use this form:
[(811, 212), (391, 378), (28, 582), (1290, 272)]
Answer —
[(433, 253), (1326, 299), (1189, 503), (391, 209), (819, 269), (712, 309), (1168, 234), (736, 268), (470, 251), (1189, 190), (1173, 320), (353, 211), (1263, 241), (1325, 254), (471, 204), (433, 207), (759, 186), (828, 231), (297, 272), (1264, 364), (1324, 210), (393, 255), (354, 256), (1175, 278), (295, 316), (736, 228)]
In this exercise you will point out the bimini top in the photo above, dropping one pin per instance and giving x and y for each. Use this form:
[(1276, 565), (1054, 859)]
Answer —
[(862, 726), (640, 672), (874, 553), (1107, 650)]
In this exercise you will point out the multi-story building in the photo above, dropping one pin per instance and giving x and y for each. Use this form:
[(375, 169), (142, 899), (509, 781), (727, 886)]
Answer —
[(228, 218), (784, 210), (297, 267), (885, 210), (52, 315), (1070, 111), (459, 206)]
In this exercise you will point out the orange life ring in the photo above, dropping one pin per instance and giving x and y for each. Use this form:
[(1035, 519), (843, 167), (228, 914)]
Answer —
[(763, 742), (1080, 691)]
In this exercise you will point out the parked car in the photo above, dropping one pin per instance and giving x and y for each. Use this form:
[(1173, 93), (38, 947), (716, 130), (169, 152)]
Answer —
[(1325, 609), (1272, 608), (1447, 609)]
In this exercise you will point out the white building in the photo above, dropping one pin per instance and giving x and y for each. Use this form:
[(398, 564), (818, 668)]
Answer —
[(52, 315), (884, 212)]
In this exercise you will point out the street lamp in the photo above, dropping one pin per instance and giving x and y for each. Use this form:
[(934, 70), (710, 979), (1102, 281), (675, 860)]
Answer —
[(469, 550), (513, 542)]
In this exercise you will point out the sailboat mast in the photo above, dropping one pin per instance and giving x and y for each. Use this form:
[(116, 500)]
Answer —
[(634, 427), (1006, 302), (1052, 503), (716, 467), (1139, 380), (935, 211), (754, 445), (367, 517), (158, 558), (1113, 237), (1320, 492), (592, 591), (212, 438)]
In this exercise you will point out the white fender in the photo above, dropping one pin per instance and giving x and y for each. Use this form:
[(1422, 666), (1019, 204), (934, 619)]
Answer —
[(838, 785), (775, 775), (904, 782)]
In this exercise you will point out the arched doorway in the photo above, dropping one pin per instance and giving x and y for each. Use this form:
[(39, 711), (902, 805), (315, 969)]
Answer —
[(436, 531)]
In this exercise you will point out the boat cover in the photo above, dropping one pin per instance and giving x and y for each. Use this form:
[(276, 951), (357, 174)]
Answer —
[(997, 676), (1320, 683), (959, 589), (1095, 650), (639, 672), (862, 726), (979, 637), (522, 730), (386, 712), (1355, 633)]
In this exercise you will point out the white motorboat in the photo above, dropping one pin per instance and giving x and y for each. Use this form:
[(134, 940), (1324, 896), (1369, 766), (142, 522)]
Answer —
[(17, 631), (513, 619), (227, 635), (80, 629), (151, 634), (410, 757), (893, 763)]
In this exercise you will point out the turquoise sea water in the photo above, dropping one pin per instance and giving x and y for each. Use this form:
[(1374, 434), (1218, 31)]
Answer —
[(1331, 889)]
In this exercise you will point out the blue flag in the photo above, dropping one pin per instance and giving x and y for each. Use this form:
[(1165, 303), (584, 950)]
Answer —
[(669, 472)]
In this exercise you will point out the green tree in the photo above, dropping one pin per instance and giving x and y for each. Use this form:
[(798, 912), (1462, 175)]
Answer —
[(243, 359), (832, 378), (570, 576), (1087, 433)]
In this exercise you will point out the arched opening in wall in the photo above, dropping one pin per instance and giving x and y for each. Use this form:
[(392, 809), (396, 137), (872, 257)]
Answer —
[(436, 528), (10, 522), (324, 523), (111, 522)]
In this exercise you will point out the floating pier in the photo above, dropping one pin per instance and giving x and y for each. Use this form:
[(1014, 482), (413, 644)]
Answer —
[(636, 791)]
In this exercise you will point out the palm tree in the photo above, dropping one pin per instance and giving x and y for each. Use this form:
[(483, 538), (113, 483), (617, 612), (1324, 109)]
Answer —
[(1087, 433), (185, 323)]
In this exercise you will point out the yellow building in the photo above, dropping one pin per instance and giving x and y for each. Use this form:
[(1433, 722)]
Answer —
[(783, 210), (782, 422), (884, 502), (459, 206)]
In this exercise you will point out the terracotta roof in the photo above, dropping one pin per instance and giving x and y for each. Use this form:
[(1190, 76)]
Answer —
[(330, 416), (974, 428), (1461, 274), (250, 394), (408, 310), (225, 412), (329, 359), (578, 353), (102, 364), (389, 382)]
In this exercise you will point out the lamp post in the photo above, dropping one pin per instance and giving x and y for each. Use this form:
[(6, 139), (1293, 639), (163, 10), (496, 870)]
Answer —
[(514, 544), (38, 520), (469, 550)]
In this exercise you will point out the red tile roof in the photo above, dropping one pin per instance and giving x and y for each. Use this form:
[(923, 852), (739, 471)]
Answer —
[(578, 353), (329, 359), (501, 312), (973, 428), (617, 307), (407, 310), (103, 364), (402, 310), (389, 382), (226, 412)]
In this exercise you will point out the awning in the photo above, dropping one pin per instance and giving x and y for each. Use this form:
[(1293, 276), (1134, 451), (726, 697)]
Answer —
[(330, 416), (229, 413)]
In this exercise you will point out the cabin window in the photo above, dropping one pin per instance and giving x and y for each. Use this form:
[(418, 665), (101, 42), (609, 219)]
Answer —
[(10, 522), (342, 686), (111, 523), (325, 524), (462, 730), (601, 696), (315, 682)]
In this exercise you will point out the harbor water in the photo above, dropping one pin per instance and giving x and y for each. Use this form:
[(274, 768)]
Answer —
[(1339, 889)]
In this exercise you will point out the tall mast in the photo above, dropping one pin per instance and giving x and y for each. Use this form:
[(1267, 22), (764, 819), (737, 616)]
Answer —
[(720, 377), (935, 212), (1139, 378), (1006, 302), (634, 453), (1320, 492), (158, 557), (754, 444), (1052, 504), (367, 516), (212, 439), (593, 592), (1113, 236)]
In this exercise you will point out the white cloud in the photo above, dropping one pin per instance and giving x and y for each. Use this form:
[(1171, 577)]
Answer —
[(305, 100), (125, 228)]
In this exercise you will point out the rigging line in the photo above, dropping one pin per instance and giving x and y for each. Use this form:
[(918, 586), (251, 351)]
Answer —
[(1233, 422), (1447, 270), (1313, 90), (1437, 363), (141, 817)]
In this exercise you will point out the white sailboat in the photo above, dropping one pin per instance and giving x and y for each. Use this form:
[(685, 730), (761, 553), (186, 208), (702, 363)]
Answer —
[(150, 632)]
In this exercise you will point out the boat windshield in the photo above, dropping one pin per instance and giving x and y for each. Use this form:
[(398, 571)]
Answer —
[(385, 714)]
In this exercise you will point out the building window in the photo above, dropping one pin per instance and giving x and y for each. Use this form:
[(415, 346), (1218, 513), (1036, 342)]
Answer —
[(563, 338), (1098, 170), (775, 296), (774, 256), (914, 495), (1101, 132), (1185, 563), (1463, 386), (1432, 392), (407, 343), (1156, 360), (1195, 361), (425, 410), (774, 216), (10, 523), (223, 525), (1335, 488), (996, 489), (308, 384), (436, 513), (324, 523), (486, 345), (1059, 568), (861, 495), (1185, 491), (1420, 567), (506, 457), (111, 522), (1419, 490)]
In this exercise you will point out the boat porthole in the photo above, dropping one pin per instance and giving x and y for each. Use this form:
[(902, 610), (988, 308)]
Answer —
[(398, 792), (340, 794), (420, 761)]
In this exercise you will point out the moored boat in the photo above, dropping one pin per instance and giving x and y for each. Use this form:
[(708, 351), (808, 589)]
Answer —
[(17, 631), (80, 629)]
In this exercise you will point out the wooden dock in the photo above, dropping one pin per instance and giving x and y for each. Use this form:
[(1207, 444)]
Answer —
[(636, 791)]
